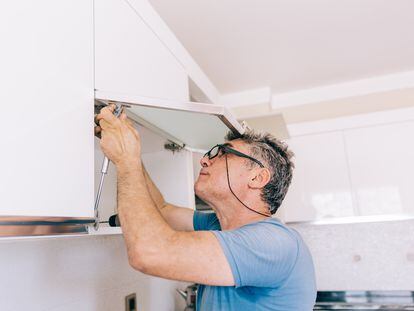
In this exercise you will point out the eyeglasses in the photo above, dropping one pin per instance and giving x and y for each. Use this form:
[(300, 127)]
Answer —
[(223, 148)]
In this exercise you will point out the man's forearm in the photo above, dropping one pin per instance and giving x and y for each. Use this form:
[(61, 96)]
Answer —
[(145, 230)]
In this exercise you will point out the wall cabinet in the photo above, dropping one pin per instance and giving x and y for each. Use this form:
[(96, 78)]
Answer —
[(320, 187), (58, 59), (171, 172), (382, 168), (360, 171), (46, 80), (130, 58)]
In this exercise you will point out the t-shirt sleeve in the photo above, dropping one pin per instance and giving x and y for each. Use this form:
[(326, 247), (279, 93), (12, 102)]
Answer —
[(205, 221), (261, 255)]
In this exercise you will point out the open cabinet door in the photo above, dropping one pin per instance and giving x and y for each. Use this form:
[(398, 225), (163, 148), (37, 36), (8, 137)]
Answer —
[(188, 124)]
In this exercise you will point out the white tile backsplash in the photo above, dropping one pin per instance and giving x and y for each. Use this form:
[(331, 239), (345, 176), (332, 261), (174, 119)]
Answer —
[(77, 273), (362, 256)]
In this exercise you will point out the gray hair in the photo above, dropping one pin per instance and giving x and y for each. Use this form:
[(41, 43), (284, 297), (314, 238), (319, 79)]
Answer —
[(275, 155)]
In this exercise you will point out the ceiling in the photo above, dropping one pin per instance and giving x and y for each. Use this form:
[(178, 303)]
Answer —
[(293, 45)]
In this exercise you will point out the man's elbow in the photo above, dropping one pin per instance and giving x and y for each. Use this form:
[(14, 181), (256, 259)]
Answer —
[(136, 263), (143, 260), (150, 255), (136, 260)]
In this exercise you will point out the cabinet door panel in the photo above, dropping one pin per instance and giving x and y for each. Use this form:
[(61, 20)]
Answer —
[(320, 187), (46, 80), (130, 58), (382, 168)]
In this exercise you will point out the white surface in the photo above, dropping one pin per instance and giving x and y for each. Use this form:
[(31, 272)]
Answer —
[(292, 45), (88, 273), (130, 58), (173, 175), (196, 130), (145, 10), (351, 122), (104, 229), (364, 256), (247, 98), (403, 80), (46, 80), (320, 187), (382, 168), (355, 166), (197, 125)]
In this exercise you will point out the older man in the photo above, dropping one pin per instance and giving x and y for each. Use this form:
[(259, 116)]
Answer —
[(243, 258)]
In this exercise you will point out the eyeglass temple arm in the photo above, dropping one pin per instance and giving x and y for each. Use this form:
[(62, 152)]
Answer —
[(243, 155)]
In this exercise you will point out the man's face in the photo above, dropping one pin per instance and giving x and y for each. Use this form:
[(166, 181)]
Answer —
[(212, 181)]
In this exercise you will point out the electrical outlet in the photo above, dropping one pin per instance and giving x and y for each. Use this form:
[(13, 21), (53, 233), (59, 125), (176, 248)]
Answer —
[(131, 302)]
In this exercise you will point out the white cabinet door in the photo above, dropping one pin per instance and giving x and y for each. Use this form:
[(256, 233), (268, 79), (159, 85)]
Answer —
[(130, 58), (320, 187), (46, 83), (382, 168)]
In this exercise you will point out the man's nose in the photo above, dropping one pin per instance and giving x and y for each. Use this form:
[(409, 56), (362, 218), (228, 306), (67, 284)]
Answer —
[(205, 161)]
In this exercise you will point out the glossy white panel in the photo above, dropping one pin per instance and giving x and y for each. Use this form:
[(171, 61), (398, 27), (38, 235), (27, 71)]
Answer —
[(320, 187), (46, 80), (382, 168), (196, 125), (173, 175), (130, 58)]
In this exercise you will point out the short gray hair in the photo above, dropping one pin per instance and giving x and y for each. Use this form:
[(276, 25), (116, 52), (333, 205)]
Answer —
[(276, 156)]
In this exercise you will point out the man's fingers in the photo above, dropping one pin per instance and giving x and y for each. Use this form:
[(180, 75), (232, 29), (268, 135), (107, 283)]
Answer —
[(103, 124), (106, 114), (123, 116), (111, 107), (98, 131)]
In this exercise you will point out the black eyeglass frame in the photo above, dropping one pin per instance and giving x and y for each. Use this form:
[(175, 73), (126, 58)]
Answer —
[(226, 149)]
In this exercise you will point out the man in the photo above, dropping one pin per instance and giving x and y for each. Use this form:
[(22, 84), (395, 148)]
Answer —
[(243, 258)]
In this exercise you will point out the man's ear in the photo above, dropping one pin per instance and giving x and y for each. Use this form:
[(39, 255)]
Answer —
[(259, 178)]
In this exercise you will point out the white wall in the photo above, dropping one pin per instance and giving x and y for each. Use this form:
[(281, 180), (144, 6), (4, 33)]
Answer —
[(92, 272), (362, 256), (77, 273)]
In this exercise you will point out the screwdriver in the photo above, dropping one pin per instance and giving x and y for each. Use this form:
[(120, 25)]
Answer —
[(104, 171)]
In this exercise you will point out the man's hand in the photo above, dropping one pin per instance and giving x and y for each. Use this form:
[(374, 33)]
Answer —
[(120, 141)]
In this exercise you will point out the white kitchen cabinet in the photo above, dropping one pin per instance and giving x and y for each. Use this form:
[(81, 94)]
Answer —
[(130, 58), (382, 168), (171, 172), (46, 82), (320, 187)]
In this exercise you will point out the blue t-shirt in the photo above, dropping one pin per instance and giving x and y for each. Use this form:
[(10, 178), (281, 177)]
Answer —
[(272, 268)]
